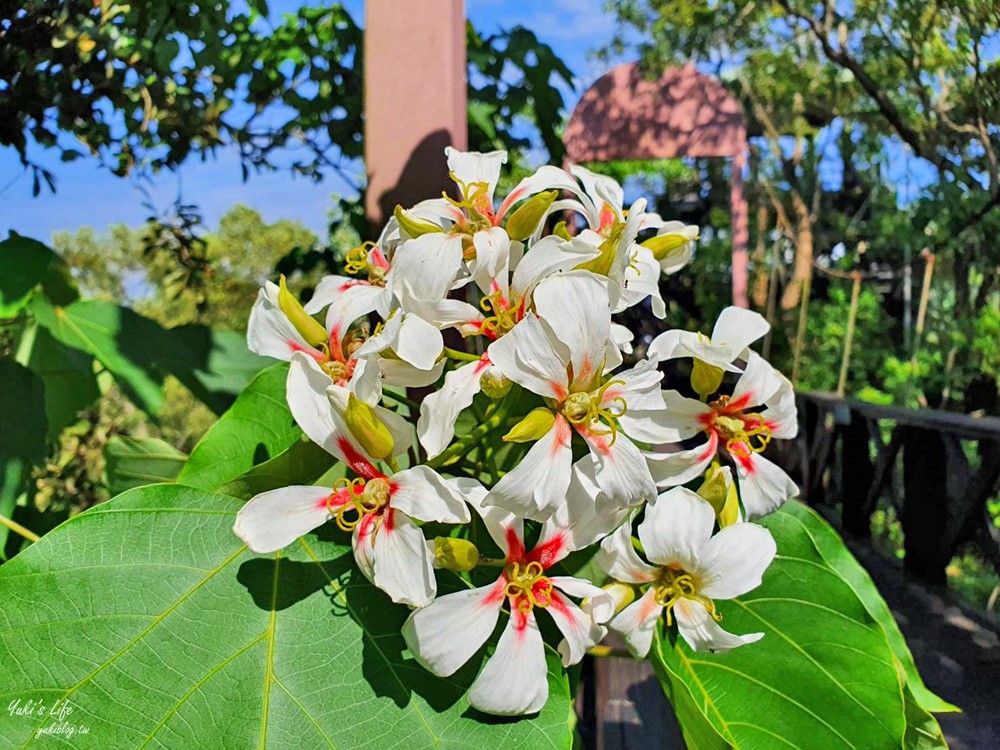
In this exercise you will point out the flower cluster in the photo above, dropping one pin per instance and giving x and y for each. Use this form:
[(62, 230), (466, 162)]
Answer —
[(560, 445)]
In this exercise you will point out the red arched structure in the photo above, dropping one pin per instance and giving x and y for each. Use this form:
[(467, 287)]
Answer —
[(624, 115)]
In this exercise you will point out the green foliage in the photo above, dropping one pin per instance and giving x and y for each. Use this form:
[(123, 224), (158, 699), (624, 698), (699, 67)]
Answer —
[(25, 263), (143, 86), (280, 651), (831, 671), (134, 462)]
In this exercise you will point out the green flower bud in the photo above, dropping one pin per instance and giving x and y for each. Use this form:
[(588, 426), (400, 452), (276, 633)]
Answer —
[(524, 221), (601, 265), (561, 231), (494, 383), (304, 323), (413, 226), (665, 245), (458, 555), (533, 427), (719, 491), (705, 378), (367, 428)]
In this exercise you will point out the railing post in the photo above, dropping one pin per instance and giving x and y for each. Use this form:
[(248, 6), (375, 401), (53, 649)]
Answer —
[(856, 476), (925, 505)]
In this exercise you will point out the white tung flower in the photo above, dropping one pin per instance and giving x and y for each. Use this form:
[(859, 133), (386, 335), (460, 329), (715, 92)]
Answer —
[(690, 569), (447, 633)]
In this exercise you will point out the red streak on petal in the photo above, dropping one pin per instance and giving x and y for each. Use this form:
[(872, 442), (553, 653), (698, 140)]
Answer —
[(607, 217), (515, 547), (295, 346), (364, 528), (562, 437), (335, 499), (496, 594), (598, 443), (484, 362), (710, 446), (738, 404), (361, 465), (509, 201), (388, 521), (548, 551), (559, 604), (647, 607), (520, 621), (559, 392), (745, 459), (378, 259)]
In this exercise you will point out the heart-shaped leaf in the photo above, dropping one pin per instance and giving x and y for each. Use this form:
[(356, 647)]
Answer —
[(823, 676), (150, 620)]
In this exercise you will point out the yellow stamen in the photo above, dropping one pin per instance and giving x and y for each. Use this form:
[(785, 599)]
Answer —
[(741, 440), (585, 409), (673, 585), (372, 498), (506, 311), (521, 585)]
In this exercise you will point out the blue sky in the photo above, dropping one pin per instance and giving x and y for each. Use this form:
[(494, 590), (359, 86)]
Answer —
[(89, 196)]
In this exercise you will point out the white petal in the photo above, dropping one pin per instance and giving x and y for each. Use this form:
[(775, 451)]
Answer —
[(618, 558), (534, 487), (578, 522), (269, 332), (703, 633), (637, 623), (399, 373), (305, 392), (515, 679), (363, 542), (439, 410), (347, 307), (574, 306), (579, 630), (597, 603), (757, 385), (446, 633), (642, 280), (327, 290), (526, 356), (472, 167), (275, 519), (685, 416), (738, 327), (548, 256), (546, 177), (403, 567), (676, 528), (672, 344), (764, 486), (492, 260), (641, 389), (422, 493), (781, 413), (734, 560), (419, 343), (622, 337), (672, 469), (428, 265), (621, 471), (506, 529)]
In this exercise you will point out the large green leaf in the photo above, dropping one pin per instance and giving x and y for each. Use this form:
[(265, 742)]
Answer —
[(23, 264), (838, 557), (824, 675), (126, 343), (214, 365), (133, 462), (159, 629), (68, 374), (257, 428), (303, 463), (22, 433)]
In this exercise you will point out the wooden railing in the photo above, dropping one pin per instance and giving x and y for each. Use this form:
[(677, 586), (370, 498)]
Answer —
[(938, 468)]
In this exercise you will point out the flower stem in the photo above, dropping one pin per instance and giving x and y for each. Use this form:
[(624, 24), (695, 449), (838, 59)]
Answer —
[(461, 356), (462, 446), (19, 529), (414, 406)]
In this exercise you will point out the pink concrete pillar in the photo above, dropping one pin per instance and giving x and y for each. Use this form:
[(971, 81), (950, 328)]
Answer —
[(741, 234), (415, 100)]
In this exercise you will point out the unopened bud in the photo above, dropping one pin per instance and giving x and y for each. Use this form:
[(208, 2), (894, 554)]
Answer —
[(601, 265), (719, 491), (525, 220), (561, 231), (663, 246), (458, 555), (304, 323), (494, 383), (621, 595), (413, 226), (535, 426), (367, 428), (705, 378)]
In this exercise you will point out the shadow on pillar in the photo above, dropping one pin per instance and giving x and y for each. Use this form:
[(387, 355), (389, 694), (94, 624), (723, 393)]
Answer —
[(424, 175)]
